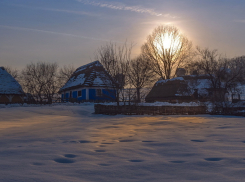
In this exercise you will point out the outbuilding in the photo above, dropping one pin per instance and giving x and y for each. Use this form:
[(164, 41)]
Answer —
[(184, 88), (10, 89)]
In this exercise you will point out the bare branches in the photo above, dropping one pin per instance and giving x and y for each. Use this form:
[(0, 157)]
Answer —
[(224, 74), (12, 71), (140, 74), (167, 49), (64, 74), (115, 60), (40, 80)]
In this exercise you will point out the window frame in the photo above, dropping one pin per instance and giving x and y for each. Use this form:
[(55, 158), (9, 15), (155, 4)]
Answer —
[(98, 92), (79, 91)]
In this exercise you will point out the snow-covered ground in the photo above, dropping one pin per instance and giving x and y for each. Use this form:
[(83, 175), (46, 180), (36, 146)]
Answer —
[(69, 143)]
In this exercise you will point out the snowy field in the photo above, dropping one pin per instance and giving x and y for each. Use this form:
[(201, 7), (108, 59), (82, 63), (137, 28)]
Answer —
[(69, 143)]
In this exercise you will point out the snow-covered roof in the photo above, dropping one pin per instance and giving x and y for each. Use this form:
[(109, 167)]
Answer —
[(89, 75), (180, 86), (8, 85)]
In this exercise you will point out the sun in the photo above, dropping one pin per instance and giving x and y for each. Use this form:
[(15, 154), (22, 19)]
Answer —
[(167, 42)]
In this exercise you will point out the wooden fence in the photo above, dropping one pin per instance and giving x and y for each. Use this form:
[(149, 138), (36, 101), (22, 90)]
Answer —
[(150, 110)]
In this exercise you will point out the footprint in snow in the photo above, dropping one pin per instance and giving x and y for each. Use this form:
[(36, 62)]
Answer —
[(197, 140), (64, 160), (99, 150), (213, 159), (37, 164), (104, 164), (136, 160), (178, 162), (69, 155), (147, 141), (126, 140), (87, 141)]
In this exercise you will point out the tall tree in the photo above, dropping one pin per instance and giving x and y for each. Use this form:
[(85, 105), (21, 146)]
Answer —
[(115, 60), (167, 49), (140, 74)]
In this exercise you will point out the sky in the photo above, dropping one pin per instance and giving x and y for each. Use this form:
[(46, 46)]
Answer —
[(69, 32)]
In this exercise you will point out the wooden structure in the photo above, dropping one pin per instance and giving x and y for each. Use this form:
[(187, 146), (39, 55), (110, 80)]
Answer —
[(150, 110), (186, 88), (10, 89)]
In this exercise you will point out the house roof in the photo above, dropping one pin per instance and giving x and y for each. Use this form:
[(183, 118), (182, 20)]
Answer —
[(89, 75), (179, 87), (8, 85)]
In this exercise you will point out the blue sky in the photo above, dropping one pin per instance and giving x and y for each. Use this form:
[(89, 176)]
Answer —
[(70, 31)]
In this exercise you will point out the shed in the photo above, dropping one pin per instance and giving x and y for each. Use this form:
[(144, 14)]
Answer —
[(10, 89)]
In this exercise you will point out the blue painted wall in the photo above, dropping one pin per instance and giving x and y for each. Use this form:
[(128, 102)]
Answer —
[(107, 95), (74, 94), (83, 97)]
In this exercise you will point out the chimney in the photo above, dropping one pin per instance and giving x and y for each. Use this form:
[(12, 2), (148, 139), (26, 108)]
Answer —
[(180, 72)]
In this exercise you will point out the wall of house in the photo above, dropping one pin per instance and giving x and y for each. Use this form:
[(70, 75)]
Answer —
[(106, 95), (83, 97), (4, 99), (15, 99)]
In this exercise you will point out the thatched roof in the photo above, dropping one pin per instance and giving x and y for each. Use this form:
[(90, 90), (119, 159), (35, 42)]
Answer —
[(179, 87), (89, 75), (8, 85)]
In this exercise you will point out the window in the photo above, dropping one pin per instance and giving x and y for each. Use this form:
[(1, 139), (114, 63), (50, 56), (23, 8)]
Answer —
[(70, 94), (79, 93), (98, 92)]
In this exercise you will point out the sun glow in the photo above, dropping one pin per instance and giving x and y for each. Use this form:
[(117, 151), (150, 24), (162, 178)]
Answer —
[(167, 42)]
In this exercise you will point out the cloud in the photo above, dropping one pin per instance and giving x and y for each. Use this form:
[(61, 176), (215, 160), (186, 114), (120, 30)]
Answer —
[(51, 32), (57, 10), (120, 6)]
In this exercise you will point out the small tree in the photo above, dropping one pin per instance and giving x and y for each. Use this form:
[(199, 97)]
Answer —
[(140, 74), (167, 49)]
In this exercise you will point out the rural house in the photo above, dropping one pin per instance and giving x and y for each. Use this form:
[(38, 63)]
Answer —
[(184, 88), (10, 89), (90, 82)]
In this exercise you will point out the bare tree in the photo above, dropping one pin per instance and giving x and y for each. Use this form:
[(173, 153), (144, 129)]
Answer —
[(115, 60), (140, 74), (12, 71), (224, 74), (64, 74), (167, 49), (40, 80)]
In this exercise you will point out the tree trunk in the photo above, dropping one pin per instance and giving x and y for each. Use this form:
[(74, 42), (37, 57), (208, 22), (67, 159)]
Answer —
[(138, 94)]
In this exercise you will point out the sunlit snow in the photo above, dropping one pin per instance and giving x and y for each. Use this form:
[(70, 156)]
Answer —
[(69, 143)]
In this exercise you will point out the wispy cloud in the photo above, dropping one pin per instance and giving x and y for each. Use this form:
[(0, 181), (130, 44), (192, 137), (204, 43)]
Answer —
[(120, 6), (57, 10), (51, 32)]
